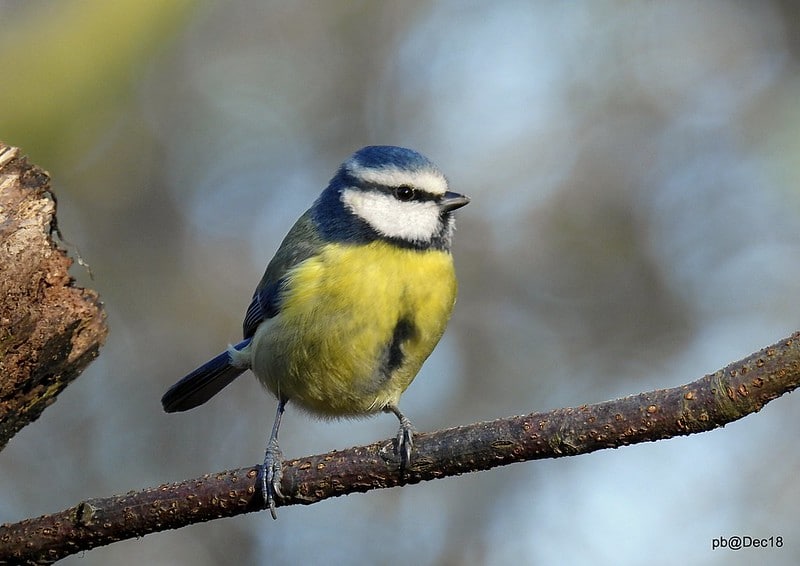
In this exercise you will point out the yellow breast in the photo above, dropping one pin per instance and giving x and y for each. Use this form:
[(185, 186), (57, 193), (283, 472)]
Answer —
[(356, 324)]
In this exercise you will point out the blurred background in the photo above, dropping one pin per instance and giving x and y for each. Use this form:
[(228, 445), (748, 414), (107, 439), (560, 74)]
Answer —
[(634, 169)]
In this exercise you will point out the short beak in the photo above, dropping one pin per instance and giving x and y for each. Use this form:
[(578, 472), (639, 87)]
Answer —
[(452, 201)]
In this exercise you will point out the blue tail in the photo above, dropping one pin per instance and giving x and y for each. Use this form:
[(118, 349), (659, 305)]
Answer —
[(203, 383)]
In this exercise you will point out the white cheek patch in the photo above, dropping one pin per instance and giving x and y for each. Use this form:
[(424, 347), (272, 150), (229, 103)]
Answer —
[(413, 220), (429, 181)]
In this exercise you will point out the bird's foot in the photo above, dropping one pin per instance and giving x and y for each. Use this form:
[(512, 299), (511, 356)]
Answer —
[(405, 442), (271, 474)]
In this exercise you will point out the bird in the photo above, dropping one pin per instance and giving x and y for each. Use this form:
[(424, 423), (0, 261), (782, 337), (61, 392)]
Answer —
[(353, 302)]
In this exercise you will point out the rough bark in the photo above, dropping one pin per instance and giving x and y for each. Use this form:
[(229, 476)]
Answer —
[(49, 329)]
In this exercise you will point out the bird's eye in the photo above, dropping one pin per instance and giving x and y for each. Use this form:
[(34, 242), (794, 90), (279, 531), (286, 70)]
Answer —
[(404, 193)]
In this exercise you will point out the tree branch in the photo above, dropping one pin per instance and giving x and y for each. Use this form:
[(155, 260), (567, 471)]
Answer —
[(712, 401)]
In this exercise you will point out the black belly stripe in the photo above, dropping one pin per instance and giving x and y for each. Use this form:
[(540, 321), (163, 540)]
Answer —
[(404, 330)]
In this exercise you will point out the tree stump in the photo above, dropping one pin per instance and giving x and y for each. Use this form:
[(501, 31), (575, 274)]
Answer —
[(50, 329)]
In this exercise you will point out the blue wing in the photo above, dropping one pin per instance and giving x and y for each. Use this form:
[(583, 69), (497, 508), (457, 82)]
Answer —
[(265, 304), (302, 242)]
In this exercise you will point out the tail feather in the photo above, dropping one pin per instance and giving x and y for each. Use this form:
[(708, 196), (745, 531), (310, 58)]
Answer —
[(204, 382)]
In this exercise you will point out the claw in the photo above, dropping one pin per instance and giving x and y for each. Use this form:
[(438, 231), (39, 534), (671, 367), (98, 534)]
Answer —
[(405, 438), (405, 442), (271, 474), (272, 470)]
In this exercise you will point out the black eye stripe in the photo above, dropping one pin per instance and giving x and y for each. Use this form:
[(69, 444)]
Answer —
[(419, 194)]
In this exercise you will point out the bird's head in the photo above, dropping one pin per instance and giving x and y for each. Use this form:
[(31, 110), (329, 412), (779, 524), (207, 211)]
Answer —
[(390, 193)]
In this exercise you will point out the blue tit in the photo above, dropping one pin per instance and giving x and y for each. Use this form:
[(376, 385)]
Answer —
[(354, 301)]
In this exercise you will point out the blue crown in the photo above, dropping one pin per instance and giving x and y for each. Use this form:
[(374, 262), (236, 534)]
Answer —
[(382, 156)]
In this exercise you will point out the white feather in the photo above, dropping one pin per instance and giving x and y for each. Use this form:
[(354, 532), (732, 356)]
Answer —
[(427, 180), (415, 221)]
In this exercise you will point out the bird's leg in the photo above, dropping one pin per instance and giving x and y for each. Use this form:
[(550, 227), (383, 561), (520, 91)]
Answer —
[(272, 470), (405, 437)]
